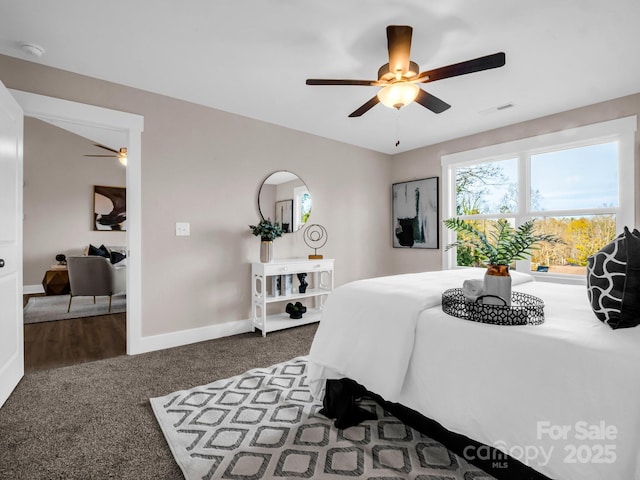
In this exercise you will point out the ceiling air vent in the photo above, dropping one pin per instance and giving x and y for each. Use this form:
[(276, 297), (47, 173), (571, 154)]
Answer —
[(499, 108)]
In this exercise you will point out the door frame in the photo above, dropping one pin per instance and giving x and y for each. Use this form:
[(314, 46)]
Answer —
[(55, 109)]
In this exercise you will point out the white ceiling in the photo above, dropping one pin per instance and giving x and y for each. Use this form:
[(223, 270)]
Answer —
[(251, 57)]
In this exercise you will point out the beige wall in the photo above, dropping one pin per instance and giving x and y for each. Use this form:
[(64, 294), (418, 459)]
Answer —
[(425, 162), (58, 196), (205, 166)]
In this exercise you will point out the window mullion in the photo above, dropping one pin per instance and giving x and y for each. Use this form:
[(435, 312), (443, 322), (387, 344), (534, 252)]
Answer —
[(524, 201), (449, 210), (524, 190)]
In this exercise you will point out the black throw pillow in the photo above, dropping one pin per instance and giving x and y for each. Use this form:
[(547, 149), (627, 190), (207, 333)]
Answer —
[(613, 281), (99, 251), (117, 257)]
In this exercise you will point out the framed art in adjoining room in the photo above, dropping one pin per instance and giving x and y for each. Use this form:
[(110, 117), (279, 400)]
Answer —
[(416, 215), (109, 208), (284, 214)]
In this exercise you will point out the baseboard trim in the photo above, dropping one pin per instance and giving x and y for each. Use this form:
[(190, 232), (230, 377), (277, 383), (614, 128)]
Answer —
[(195, 335), (30, 289)]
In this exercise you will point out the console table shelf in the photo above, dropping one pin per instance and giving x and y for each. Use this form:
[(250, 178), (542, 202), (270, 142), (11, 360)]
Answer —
[(294, 297), (263, 275)]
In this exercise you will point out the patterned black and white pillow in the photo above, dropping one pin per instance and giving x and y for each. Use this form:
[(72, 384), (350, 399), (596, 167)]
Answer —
[(613, 281)]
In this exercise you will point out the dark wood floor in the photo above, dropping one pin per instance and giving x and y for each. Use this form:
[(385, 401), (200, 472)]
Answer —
[(77, 340)]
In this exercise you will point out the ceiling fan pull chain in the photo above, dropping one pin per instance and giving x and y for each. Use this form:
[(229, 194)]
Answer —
[(397, 128)]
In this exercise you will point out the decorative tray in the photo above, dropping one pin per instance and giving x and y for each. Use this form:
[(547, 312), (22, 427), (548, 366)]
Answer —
[(524, 310)]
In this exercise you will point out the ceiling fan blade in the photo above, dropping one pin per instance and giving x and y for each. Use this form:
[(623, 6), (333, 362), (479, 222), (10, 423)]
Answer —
[(321, 81), (470, 66), (399, 46), (365, 108), (431, 102), (106, 148), (110, 156)]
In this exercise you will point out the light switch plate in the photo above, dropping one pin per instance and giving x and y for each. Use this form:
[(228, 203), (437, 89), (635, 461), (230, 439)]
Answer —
[(183, 229)]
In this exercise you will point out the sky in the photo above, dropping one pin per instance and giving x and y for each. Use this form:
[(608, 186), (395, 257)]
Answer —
[(585, 177)]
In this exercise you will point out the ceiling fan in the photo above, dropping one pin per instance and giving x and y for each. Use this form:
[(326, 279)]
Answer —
[(399, 77), (121, 154)]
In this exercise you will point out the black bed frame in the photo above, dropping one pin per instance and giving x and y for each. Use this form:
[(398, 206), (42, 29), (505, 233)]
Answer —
[(341, 400), (498, 463)]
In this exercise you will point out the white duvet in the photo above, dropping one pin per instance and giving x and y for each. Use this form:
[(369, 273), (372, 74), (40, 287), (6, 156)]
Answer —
[(379, 315), (563, 397)]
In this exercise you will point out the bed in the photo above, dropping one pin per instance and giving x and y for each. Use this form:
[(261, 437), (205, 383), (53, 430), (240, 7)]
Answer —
[(562, 397)]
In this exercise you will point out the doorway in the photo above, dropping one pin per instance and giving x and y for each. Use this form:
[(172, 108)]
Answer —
[(58, 211), (97, 123)]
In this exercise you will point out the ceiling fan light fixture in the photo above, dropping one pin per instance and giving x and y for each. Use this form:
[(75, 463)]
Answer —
[(398, 94), (122, 156), (399, 76)]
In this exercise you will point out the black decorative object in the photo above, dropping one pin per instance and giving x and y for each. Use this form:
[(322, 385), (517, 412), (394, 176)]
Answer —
[(524, 310), (296, 311), (61, 259), (315, 236), (303, 282)]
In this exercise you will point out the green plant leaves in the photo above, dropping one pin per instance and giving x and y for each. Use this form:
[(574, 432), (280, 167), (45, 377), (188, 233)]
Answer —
[(501, 246), (266, 230)]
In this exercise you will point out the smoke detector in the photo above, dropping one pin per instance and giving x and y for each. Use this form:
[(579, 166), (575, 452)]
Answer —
[(32, 49)]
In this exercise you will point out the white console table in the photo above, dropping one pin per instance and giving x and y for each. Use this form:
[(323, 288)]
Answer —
[(319, 278)]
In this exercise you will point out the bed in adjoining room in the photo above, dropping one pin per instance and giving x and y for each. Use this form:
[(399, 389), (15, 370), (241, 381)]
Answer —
[(562, 398)]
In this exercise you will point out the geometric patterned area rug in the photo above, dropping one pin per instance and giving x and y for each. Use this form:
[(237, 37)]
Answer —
[(54, 307), (264, 424)]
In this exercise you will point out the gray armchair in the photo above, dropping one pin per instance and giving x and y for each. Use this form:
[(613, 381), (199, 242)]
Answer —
[(91, 276)]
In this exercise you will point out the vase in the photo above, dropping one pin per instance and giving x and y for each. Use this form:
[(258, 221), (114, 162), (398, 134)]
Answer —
[(266, 251), (497, 282)]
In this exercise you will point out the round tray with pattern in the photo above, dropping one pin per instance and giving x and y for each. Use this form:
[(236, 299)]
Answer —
[(525, 309)]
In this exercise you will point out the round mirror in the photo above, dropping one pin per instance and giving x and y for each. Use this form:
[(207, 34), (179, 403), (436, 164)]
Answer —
[(285, 199)]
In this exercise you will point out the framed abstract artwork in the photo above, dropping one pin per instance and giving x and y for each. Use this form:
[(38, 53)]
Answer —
[(109, 208), (284, 215), (416, 217)]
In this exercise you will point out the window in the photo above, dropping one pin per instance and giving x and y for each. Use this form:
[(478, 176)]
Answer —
[(577, 184), (301, 206)]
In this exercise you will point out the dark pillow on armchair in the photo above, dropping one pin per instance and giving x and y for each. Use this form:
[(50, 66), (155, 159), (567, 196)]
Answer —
[(117, 257), (101, 251), (613, 281)]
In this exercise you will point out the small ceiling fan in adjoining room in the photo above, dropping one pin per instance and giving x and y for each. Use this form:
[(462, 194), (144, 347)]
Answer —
[(121, 154), (399, 77)]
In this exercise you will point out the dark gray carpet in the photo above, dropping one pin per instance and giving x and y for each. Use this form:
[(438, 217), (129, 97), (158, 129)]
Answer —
[(94, 420)]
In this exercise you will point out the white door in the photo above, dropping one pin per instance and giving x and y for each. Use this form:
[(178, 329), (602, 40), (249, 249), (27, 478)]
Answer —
[(11, 326)]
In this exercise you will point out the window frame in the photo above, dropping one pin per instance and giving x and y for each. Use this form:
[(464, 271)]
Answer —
[(620, 130)]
